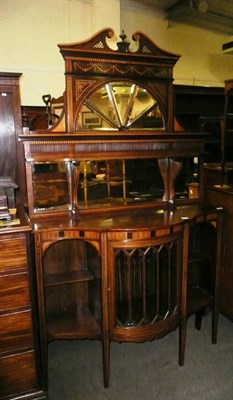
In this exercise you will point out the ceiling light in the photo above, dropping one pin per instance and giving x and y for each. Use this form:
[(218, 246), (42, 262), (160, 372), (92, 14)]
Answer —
[(203, 6)]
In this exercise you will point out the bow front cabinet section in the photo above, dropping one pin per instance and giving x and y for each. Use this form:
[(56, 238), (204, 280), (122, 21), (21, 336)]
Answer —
[(121, 276), (98, 280)]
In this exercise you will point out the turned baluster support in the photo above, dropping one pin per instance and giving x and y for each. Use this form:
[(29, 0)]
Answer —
[(170, 170)]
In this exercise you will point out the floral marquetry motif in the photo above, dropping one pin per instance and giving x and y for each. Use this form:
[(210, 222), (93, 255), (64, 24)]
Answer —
[(81, 86), (127, 69), (140, 61), (99, 45)]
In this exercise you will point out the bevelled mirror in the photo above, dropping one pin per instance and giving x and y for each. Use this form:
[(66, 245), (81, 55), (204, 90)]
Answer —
[(120, 106), (51, 185), (129, 182)]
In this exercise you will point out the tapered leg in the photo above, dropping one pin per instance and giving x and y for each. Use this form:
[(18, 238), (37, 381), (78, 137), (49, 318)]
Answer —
[(198, 318), (215, 315), (182, 340), (106, 361)]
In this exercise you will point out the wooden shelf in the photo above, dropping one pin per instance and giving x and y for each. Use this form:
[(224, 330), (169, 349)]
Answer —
[(82, 325), (197, 298), (68, 278), (198, 256)]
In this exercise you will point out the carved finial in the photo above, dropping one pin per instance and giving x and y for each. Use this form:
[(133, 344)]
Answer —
[(124, 45), (123, 35)]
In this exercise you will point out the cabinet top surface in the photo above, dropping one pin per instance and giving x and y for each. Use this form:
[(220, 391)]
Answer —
[(19, 224), (228, 189), (125, 220)]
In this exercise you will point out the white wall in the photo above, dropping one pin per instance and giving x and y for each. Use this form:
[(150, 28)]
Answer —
[(201, 63), (31, 29)]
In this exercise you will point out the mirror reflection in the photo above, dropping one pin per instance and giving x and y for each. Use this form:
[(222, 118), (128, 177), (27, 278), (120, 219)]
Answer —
[(119, 182), (51, 187), (101, 183), (120, 106)]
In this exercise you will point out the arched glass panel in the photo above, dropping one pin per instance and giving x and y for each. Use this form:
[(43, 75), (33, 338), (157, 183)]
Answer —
[(120, 106)]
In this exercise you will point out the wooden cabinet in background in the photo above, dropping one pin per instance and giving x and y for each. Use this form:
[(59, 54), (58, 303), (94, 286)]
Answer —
[(218, 180), (19, 351), (193, 102), (223, 196), (11, 149), (10, 124), (202, 108)]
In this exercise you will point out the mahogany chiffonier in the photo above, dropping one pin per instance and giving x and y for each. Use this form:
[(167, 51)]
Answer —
[(111, 207)]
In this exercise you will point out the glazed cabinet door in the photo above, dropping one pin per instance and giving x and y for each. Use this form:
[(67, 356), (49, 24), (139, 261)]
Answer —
[(145, 287)]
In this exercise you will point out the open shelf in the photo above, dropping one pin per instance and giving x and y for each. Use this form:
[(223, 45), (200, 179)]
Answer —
[(82, 325), (198, 256), (68, 278), (197, 298)]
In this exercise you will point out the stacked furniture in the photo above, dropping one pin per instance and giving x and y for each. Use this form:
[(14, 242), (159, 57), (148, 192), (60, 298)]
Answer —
[(219, 191), (20, 362)]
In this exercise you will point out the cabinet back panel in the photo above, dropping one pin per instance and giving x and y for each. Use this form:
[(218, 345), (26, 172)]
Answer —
[(66, 299), (64, 256), (8, 159)]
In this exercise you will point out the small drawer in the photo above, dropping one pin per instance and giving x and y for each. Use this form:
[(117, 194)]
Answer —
[(13, 254), (17, 374), (16, 331), (14, 291)]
